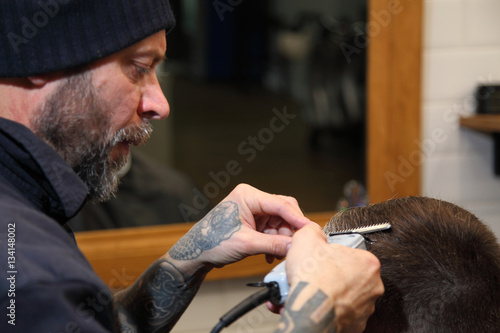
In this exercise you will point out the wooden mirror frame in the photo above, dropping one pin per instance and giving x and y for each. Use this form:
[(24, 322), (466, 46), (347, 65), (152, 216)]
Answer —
[(394, 97), (393, 156)]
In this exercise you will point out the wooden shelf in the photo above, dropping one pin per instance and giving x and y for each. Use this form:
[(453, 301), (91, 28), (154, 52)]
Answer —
[(489, 124), (119, 256), (486, 123)]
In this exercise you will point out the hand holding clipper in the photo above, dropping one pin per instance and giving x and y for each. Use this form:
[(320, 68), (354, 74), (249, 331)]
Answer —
[(353, 238)]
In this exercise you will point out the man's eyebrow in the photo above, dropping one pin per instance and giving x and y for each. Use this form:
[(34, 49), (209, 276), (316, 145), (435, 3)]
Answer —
[(157, 57)]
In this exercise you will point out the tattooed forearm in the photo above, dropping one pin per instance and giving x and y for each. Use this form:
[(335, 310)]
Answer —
[(217, 226), (312, 316), (156, 300)]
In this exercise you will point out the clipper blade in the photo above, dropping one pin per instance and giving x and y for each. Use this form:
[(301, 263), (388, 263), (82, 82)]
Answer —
[(364, 230)]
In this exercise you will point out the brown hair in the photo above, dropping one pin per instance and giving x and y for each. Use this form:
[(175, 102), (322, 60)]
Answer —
[(440, 266)]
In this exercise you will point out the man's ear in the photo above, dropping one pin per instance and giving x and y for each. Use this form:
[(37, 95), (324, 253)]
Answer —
[(39, 80)]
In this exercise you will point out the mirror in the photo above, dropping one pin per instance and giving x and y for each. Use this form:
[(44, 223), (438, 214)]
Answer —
[(259, 105), (394, 74)]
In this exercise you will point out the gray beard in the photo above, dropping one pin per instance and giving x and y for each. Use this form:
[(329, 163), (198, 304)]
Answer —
[(75, 121)]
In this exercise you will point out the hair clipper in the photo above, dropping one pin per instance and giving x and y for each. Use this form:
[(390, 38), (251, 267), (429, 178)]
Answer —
[(354, 238), (276, 284)]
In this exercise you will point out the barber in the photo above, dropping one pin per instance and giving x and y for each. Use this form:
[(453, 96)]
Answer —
[(77, 88)]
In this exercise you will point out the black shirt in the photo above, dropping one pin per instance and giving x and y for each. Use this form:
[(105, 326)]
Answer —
[(47, 284)]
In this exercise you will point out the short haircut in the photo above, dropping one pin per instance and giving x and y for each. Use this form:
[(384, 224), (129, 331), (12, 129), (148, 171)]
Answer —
[(439, 263)]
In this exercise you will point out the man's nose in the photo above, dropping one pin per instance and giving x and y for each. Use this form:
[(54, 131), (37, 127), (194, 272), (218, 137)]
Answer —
[(154, 104)]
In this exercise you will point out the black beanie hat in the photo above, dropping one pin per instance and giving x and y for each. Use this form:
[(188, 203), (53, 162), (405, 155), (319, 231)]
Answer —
[(43, 36)]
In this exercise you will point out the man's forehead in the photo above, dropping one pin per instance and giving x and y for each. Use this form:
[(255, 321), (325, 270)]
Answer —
[(154, 45)]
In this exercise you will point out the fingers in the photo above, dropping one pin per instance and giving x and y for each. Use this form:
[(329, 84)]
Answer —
[(315, 231), (286, 208), (274, 246), (357, 303), (276, 226), (267, 223), (350, 277), (263, 206), (292, 201)]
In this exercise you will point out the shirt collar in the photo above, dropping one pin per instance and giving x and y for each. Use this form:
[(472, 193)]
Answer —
[(40, 172)]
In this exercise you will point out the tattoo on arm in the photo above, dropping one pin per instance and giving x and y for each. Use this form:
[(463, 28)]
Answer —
[(220, 224), (308, 318), (156, 300)]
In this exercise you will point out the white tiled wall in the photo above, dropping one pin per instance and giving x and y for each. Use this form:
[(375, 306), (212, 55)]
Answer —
[(461, 50)]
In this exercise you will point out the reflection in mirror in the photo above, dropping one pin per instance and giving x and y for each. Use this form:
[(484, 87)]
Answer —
[(269, 93), (150, 194)]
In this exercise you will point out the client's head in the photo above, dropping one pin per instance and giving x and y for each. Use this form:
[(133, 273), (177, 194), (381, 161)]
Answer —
[(440, 266)]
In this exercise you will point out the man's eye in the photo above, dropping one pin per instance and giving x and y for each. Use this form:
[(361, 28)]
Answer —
[(142, 70)]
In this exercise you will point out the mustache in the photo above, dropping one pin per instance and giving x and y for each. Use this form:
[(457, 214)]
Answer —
[(136, 134), (99, 171)]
